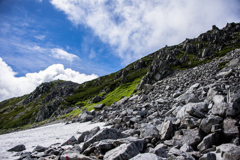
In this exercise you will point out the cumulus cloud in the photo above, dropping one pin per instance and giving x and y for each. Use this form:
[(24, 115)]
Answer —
[(61, 54), (12, 86), (137, 27)]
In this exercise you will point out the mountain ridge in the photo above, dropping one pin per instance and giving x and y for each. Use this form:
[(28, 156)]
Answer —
[(53, 100)]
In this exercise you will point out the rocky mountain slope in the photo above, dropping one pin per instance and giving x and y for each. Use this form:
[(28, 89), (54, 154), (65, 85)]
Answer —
[(59, 99), (185, 114)]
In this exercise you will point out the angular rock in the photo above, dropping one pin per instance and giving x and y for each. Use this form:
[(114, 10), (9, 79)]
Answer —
[(186, 148), (229, 151), (208, 156), (175, 153), (147, 156), (99, 106), (106, 133), (74, 156), (224, 74), (40, 148), (211, 93), (122, 101), (70, 141), (207, 123), (187, 98), (85, 116), (230, 128), (166, 130), (148, 130), (91, 133), (82, 136), (190, 122), (191, 136), (17, 148), (143, 113), (124, 151), (26, 156), (208, 141), (96, 99), (234, 62), (161, 150), (189, 109), (218, 99), (140, 143), (104, 145), (220, 109)]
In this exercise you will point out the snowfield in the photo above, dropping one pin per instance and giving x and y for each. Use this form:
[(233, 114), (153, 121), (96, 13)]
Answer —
[(44, 136)]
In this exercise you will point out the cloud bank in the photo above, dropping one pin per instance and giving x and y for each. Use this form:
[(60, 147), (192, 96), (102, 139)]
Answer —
[(12, 86), (135, 28)]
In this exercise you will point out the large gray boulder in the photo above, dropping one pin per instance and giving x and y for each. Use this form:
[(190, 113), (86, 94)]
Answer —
[(124, 151)]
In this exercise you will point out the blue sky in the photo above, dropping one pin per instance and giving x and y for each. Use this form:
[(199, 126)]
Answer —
[(79, 40)]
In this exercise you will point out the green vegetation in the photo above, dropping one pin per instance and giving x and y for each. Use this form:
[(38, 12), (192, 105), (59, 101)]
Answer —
[(96, 87), (223, 64), (124, 90)]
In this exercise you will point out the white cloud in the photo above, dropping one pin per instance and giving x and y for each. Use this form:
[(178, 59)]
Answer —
[(40, 37), (37, 48), (61, 54), (137, 27), (12, 86)]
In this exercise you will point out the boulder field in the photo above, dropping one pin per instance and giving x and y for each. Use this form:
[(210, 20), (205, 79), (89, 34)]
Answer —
[(191, 114)]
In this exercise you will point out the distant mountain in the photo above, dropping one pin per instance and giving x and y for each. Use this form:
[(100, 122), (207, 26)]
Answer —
[(65, 100)]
